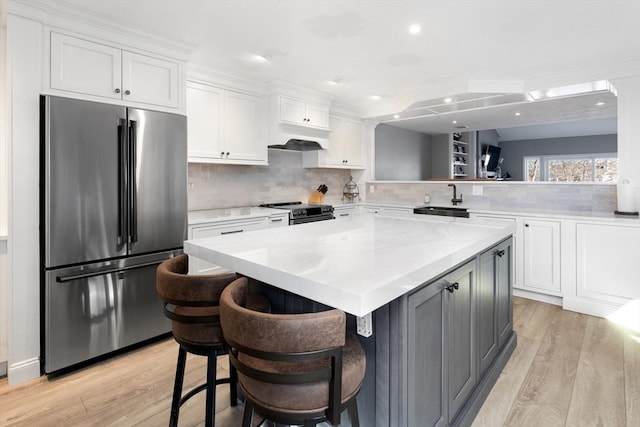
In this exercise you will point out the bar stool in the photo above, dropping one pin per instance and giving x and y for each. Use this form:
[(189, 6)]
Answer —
[(292, 368), (192, 304)]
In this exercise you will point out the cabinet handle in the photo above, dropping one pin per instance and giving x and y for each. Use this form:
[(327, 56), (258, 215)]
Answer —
[(231, 232), (526, 225), (227, 154), (452, 287), (346, 214), (499, 253), (222, 153), (127, 92), (117, 90), (277, 220)]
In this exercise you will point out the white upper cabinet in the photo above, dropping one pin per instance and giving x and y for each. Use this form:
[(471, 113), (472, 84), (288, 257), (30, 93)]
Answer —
[(89, 68), (298, 112), (149, 80), (85, 67), (346, 146), (225, 126)]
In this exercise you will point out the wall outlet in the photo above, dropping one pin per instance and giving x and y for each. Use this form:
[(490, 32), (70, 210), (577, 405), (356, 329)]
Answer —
[(477, 190), (190, 185), (372, 188), (365, 325), (427, 199)]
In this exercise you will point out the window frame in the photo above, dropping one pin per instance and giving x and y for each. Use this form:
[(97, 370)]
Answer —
[(544, 160)]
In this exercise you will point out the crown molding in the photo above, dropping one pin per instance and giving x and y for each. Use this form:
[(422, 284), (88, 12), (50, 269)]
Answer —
[(56, 13), (204, 75)]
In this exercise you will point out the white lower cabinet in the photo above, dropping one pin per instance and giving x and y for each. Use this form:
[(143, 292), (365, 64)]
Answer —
[(541, 252), (344, 211), (217, 228), (608, 262), (386, 210)]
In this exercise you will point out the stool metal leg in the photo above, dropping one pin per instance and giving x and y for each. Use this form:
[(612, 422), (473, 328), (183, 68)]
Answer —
[(177, 387), (247, 415), (210, 417), (233, 384), (353, 414)]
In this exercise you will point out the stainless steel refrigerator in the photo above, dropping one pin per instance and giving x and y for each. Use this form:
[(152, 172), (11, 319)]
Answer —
[(113, 205)]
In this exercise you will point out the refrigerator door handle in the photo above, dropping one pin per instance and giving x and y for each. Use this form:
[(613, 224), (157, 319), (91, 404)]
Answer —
[(133, 190), (64, 279), (122, 183)]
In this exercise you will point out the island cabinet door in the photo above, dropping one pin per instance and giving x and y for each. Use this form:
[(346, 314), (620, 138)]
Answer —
[(504, 275), (460, 314), (486, 310), (426, 377)]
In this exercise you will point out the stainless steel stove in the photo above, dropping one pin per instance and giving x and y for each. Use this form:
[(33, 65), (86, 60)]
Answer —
[(300, 213)]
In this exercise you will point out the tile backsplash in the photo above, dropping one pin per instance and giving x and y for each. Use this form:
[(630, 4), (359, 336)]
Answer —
[(284, 180), (502, 196)]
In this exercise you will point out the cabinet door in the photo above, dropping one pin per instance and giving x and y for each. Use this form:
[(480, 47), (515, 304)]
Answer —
[(503, 287), (352, 142), (344, 212), (401, 212), (85, 67), (245, 126), (608, 262), (292, 111), (333, 156), (317, 116), (460, 335), (542, 255), (487, 329), (149, 80), (204, 119), (425, 363)]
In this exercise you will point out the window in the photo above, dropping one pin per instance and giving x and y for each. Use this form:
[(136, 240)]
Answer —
[(572, 168)]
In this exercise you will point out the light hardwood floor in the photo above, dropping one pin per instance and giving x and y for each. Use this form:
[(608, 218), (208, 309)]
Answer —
[(569, 369)]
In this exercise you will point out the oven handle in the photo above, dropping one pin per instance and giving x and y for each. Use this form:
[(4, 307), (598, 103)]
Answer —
[(311, 219)]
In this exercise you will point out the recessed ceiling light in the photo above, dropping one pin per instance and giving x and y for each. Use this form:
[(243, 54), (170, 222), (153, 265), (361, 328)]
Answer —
[(517, 114), (454, 122), (396, 116), (600, 103), (375, 97), (447, 100), (415, 29), (262, 58)]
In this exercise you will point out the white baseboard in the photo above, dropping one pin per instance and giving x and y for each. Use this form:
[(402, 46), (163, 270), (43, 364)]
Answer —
[(24, 370), (549, 299), (593, 308)]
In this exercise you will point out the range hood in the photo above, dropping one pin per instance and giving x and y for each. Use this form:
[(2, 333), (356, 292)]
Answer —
[(298, 145), (296, 138)]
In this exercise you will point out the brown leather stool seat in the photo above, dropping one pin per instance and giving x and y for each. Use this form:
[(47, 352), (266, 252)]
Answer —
[(192, 304), (292, 368)]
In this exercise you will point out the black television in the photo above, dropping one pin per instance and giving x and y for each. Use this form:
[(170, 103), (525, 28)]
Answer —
[(491, 157)]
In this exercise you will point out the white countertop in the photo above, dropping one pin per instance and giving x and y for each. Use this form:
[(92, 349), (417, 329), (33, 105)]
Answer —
[(560, 214), (358, 264), (203, 216)]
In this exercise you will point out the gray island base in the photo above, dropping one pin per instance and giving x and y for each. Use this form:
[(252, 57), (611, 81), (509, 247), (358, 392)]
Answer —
[(438, 345)]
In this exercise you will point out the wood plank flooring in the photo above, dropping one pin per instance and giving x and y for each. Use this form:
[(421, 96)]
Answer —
[(569, 369)]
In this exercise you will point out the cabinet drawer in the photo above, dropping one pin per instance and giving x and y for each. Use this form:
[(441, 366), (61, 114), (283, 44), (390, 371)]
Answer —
[(229, 228)]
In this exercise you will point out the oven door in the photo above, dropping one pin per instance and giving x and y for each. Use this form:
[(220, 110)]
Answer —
[(311, 219)]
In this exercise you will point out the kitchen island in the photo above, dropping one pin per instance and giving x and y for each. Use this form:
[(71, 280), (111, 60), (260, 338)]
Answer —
[(438, 290)]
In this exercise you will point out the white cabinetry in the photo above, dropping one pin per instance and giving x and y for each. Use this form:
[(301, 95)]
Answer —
[(541, 252), (608, 262), (279, 220), (217, 228), (399, 211), (346, 146), (89, 68), (225, 126), (516, 246), (298, 112), (344, 211)]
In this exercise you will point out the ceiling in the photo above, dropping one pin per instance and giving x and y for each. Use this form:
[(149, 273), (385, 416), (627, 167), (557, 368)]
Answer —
[(367, 48)]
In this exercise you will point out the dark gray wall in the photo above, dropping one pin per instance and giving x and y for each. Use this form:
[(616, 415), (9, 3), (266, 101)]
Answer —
[(440, 160), (401, 154), (514, 151)]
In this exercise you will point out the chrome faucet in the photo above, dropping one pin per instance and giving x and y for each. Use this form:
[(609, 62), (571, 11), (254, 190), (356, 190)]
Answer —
[(455, 200)]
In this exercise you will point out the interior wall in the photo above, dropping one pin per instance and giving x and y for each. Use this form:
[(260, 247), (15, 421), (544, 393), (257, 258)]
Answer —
[(440, 157), (514, 151), (284, 180), (401, 154)]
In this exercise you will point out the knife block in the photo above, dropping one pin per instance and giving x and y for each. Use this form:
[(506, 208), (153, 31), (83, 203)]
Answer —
[(316, 197)]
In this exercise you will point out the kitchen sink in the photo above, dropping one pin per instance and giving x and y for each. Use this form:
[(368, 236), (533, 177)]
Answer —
[(442, 211)]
